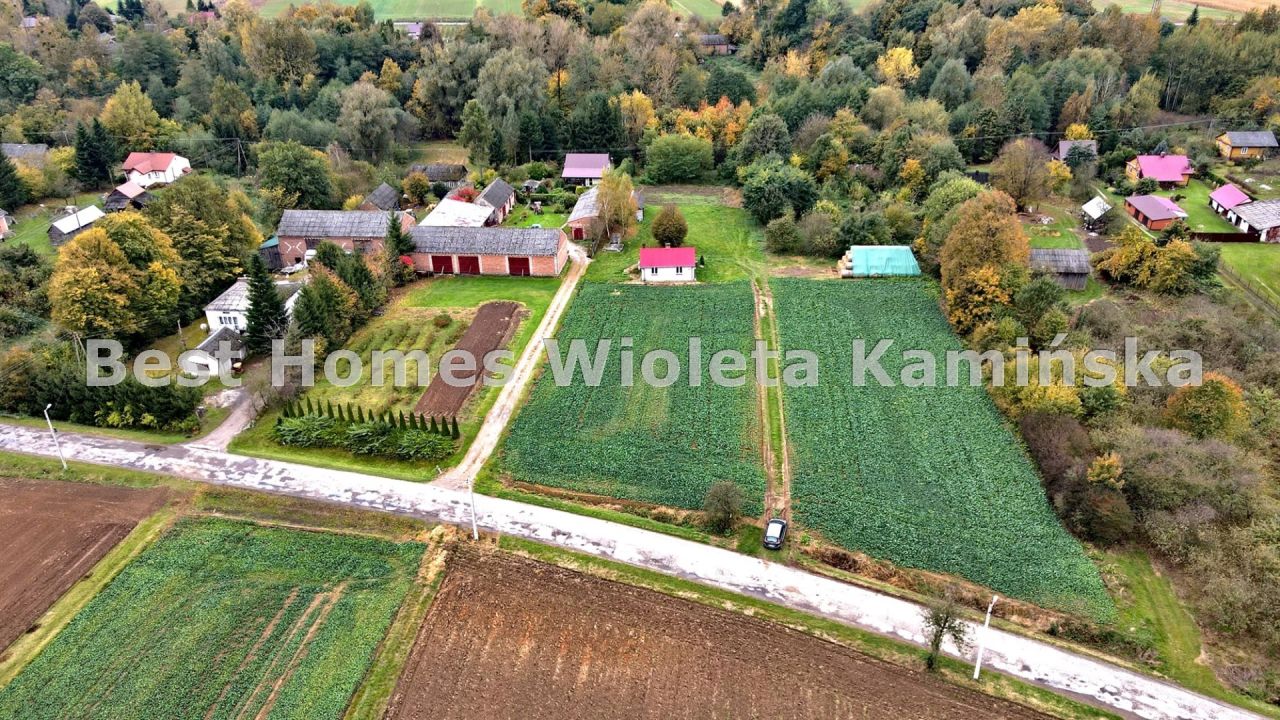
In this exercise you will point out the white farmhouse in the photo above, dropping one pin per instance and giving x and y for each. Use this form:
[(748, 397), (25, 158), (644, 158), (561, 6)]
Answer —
[(147, 169), (677, 264), (231, 308)]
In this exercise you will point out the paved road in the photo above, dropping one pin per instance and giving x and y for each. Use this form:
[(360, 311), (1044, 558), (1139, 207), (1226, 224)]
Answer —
[(1120, 689), (460, 476)]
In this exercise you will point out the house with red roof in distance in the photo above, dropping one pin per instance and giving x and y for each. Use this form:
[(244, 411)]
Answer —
[(1168, 170), (677, 264), (155, 168), (1154, 212), (585, 168), (1227, 197)]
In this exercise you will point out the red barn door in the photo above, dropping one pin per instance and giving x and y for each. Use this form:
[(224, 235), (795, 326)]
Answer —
[(442, 264), (518, 266), (468, 265)]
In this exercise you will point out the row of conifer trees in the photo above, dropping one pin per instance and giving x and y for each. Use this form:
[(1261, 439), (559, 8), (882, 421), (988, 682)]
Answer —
[(445, 426)]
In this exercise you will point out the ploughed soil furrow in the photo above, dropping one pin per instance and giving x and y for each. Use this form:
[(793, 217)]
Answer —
[(508, 637), (490, 330), (52, 534)]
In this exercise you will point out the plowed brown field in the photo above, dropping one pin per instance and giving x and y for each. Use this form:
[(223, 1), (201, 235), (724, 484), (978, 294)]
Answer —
[(513, 638), (490, 330), (52, 534)]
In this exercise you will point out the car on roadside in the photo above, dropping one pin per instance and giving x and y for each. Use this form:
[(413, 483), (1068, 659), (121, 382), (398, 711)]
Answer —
[(775, 532)]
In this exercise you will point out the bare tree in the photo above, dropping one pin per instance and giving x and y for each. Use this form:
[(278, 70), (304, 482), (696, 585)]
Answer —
[(942, 620)]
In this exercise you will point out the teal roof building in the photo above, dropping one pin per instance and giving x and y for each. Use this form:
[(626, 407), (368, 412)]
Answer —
[(879, 261)]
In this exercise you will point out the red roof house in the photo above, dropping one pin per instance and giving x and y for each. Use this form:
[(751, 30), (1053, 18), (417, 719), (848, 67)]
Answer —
[(1164, 169), (1154, 212), (678, 264), (585, 168), (153, 168), (1227, 197)]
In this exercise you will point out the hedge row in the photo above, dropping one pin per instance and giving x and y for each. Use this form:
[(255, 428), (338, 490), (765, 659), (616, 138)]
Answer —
[(447, 427)]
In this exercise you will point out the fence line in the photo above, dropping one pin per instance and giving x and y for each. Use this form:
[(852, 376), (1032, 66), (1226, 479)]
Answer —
[(1258, 291)]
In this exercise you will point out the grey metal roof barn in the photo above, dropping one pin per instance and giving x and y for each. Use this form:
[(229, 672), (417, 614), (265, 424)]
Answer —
[(1071, 268), (384, 196), (332, 223), (497, 194), (486, 241), (1260, 214), (1252, 138)]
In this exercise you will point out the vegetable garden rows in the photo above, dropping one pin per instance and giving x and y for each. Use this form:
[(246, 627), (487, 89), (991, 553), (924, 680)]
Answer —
[(658, 445), (222, 619), (925, 477)]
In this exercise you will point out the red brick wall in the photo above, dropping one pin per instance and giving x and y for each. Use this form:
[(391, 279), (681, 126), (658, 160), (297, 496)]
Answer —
[(293, 249)]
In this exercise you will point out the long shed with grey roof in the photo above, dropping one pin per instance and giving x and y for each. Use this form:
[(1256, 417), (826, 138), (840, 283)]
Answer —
[(1070, 268), (355, 231), (1260, 217), (489, 251)]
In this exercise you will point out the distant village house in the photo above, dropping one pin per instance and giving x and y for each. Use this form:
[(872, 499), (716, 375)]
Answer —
[(1246, 145), (585, 168), (1066, 146), (384, 198), (155, 168), (716, 44), (451, 175), (500, 197), (1167, 170)]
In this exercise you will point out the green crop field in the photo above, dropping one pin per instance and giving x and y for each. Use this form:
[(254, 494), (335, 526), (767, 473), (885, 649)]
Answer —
[(925, 477), (651, 444), (222, 619)]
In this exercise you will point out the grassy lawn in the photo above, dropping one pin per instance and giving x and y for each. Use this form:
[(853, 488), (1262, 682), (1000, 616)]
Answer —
[(1259, 263), (1195, 202), (1058, 235), (727, 238), (439, 151), (411, 313), (701, 8), (523, 217), (31, 226), (1150, 609)]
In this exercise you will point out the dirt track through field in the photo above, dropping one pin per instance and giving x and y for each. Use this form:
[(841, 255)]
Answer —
[(512, 638), (51, 535), (490, 330)]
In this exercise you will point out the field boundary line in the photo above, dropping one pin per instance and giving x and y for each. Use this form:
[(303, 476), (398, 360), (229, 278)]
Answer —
[(27, 647), (372, 698)]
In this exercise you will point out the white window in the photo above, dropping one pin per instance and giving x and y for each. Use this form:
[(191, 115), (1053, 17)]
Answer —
[(679, 271)]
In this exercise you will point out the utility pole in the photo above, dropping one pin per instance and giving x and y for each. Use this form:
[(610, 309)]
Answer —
[(54, 434), (986, 628), (475, 531)]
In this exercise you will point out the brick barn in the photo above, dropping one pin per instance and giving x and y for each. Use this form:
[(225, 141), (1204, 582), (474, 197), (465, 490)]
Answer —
[(489, 251), (355, 231)]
